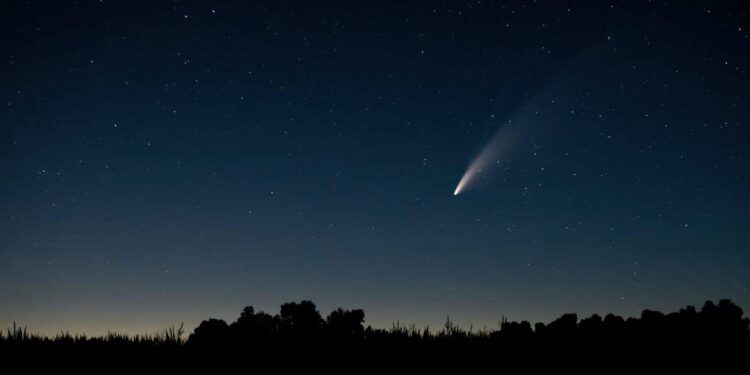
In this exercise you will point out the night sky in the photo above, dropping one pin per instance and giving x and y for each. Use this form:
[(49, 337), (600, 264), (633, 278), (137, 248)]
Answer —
[(169, 161)]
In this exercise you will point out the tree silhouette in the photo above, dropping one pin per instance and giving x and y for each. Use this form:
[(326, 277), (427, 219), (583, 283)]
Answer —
[(345, 324), (255, 328), (514, 331), (211, 332), (300, 321)]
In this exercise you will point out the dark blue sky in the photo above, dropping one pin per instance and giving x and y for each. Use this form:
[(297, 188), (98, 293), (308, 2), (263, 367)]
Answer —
[(171, 161)]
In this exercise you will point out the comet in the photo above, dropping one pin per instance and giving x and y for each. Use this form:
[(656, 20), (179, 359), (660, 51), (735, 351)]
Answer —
[(492, 154), (527, 121)]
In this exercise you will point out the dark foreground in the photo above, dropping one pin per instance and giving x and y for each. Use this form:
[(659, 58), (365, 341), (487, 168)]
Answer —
[(715, 335)]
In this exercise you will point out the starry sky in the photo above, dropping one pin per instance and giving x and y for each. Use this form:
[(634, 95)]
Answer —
[(169, 161)]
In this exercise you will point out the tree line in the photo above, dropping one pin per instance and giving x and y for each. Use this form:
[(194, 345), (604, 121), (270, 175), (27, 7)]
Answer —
[(299, 327)]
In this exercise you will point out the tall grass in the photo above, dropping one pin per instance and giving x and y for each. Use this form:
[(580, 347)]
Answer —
[(172, 336)]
